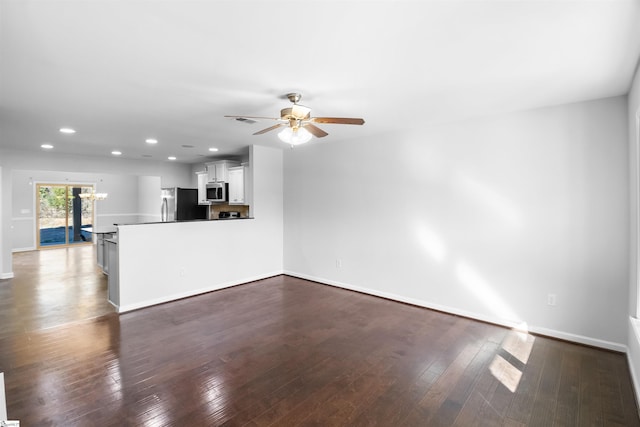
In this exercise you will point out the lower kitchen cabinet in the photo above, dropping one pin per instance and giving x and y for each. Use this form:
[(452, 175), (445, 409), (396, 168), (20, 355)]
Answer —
[(102, 255), (111, 246)]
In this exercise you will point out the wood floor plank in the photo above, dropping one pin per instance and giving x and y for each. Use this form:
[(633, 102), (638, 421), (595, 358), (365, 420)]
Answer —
[(359, 354), (590, 409), (521, 406), (432, 361), (279, 352), (626, 391), (437, 394), (545, 405), (423, 349), (459, 395), (568, 397), (478, 410)]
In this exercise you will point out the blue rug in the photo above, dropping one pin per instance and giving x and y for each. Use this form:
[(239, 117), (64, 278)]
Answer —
[(55, 236)]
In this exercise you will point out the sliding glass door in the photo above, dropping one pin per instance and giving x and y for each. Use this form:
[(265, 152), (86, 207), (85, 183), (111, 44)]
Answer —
[(64, 217)]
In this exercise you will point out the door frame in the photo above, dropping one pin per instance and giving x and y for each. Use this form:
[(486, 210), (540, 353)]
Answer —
[(36, 200)]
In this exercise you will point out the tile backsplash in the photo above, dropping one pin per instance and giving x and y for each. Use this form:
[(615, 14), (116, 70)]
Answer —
[(214, 210)]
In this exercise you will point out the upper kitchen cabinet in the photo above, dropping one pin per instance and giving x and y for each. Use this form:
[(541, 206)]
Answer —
[(219, 171), (236, 185), (203, 178)]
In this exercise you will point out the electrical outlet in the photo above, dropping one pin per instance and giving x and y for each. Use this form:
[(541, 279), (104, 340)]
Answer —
[(182, 272), (338, 263), (551, 299)]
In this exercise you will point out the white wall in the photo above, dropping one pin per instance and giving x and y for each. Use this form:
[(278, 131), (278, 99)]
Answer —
[(5, 220), (633, 333), (161, 262), (484, 218), (149, 198), (173, 174), (118, 177), (3, 274), (121, 205), (634, 156)]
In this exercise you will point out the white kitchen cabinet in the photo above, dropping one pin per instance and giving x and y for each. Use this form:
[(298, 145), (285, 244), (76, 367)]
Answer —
[(211, 172), (236, 186), (218, 171), (203, 178)]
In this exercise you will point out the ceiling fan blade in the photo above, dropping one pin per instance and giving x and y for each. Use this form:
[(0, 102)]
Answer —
[(260, 132), (338, 120), (254, 117), (315, 131)]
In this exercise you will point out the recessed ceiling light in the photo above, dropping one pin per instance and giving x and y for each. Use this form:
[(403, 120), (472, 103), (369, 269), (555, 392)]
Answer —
[(47, 146), (67, 130), (171, 158), (116, 153), (151, 141), (213, 149)]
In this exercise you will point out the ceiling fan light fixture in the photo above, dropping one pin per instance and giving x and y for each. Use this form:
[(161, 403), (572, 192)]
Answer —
[(297, 122), (294, 136)]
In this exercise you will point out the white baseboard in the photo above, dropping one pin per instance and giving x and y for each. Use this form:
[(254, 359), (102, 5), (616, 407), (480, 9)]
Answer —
[(472, 315), (6, 275), (32, 248), (177, 296), (580, 339)]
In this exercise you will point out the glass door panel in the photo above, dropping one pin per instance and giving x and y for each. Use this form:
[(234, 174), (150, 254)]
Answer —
[(64, 217), (80, 214), (52, 214)]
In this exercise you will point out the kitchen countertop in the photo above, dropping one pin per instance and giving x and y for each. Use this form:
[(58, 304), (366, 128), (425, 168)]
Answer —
[(101, 229), (186, 220)]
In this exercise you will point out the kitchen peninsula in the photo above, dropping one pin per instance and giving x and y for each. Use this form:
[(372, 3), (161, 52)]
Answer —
[(160, 262), (111, 255)]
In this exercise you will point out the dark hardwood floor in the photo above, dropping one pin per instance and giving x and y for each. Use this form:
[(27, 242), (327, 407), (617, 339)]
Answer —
[(281, 352)]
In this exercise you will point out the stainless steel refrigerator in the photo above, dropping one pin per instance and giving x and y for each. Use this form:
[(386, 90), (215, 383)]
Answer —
[(181, 204)]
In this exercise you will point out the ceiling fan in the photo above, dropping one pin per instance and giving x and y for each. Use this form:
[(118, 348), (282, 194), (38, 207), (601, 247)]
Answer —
[(297, 122)]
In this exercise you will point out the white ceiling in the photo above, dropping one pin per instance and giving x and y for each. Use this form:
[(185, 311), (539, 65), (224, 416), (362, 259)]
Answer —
[(122, 71)]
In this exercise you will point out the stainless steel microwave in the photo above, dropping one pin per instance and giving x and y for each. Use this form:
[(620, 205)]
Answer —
[(217, 191)]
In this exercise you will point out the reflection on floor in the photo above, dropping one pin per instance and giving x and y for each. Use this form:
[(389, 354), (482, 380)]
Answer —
[(51, 288)]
